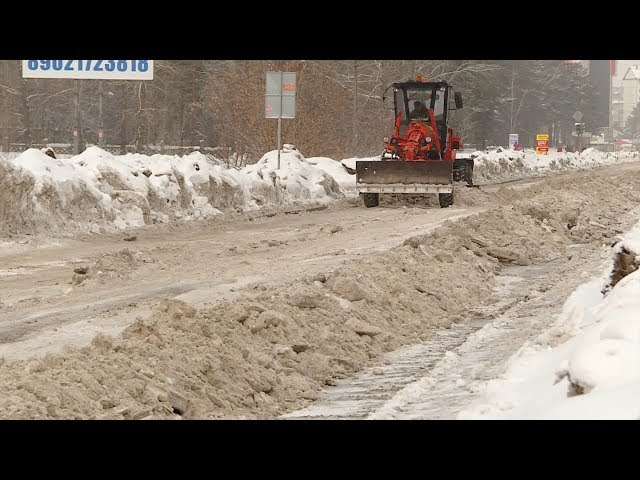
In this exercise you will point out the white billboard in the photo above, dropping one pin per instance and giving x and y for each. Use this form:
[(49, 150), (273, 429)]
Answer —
[(89, 69), (513, 139)]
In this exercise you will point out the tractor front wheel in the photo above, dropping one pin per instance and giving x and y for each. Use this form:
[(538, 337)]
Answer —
[(446, 199), (371, 199)]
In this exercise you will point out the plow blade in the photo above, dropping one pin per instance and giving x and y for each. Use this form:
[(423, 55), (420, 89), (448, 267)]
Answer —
[(418, 177)]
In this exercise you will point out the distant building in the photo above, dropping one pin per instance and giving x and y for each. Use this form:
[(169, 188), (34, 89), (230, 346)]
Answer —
[(617, 115), (631, 91), (600, 74), (617, 107)]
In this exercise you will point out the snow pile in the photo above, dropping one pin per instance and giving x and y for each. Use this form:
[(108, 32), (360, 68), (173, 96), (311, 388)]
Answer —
[(343, 171), (38, 193), (337, 170), (269, 351), (296, 181), (502, 164), (506, 164), (587, 366), (161, 188), (97, 191)]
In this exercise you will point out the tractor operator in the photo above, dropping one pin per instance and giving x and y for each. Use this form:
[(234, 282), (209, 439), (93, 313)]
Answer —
[(419, 110)]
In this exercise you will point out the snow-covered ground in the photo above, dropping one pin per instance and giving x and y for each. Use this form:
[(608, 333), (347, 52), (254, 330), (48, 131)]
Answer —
[(454, 374), (255, 319), (587, 365)]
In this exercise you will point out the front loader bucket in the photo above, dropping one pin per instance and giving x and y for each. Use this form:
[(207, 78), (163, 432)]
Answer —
[(421, 177)]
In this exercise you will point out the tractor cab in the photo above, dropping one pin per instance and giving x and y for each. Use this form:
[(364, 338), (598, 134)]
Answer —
[(413, 100), (421, 113)]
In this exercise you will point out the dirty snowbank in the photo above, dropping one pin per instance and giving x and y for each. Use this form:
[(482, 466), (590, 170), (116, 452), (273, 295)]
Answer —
[(297, 180), (507, 164), (267, 352), (97, 191), (504, 164), (338, 171), (274, 348), (587, 366)]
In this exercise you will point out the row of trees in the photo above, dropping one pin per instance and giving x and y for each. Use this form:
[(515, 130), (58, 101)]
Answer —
[(339, 104)]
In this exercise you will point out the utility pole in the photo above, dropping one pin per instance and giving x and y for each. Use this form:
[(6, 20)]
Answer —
[(27, 114), (513, 72), (355, 107), (611, 73), (76, 106), (280, 124), (123, 119), (100, 126)]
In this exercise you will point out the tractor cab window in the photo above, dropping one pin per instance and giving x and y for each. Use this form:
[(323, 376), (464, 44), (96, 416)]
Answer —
[(420, 101), (438, 106), (400, 105)]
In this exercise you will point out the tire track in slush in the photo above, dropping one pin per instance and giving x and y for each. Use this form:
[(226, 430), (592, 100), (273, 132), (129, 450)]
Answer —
[(373, 393)]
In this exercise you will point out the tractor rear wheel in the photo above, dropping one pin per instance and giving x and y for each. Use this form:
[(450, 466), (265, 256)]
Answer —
[(371, 199), (445, 199), (463, 171), (468, 173)]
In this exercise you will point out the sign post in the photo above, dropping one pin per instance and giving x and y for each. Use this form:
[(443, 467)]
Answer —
[(88, 70), (579, 126), (280, 99), (542, 144)]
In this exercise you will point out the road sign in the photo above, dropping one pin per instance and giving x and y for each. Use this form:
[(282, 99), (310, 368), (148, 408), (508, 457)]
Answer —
[(280, 99), (577, 116), (89, 69), (280, 96), (542, 144)]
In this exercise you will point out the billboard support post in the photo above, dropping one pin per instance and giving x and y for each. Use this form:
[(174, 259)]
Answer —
[(76, 108), (100, 126)]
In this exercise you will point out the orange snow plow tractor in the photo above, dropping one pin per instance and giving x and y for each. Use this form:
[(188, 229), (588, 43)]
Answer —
[(420, 157)]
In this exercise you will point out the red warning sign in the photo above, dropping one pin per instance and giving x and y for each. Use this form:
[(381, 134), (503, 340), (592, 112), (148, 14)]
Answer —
[(542, 144)]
